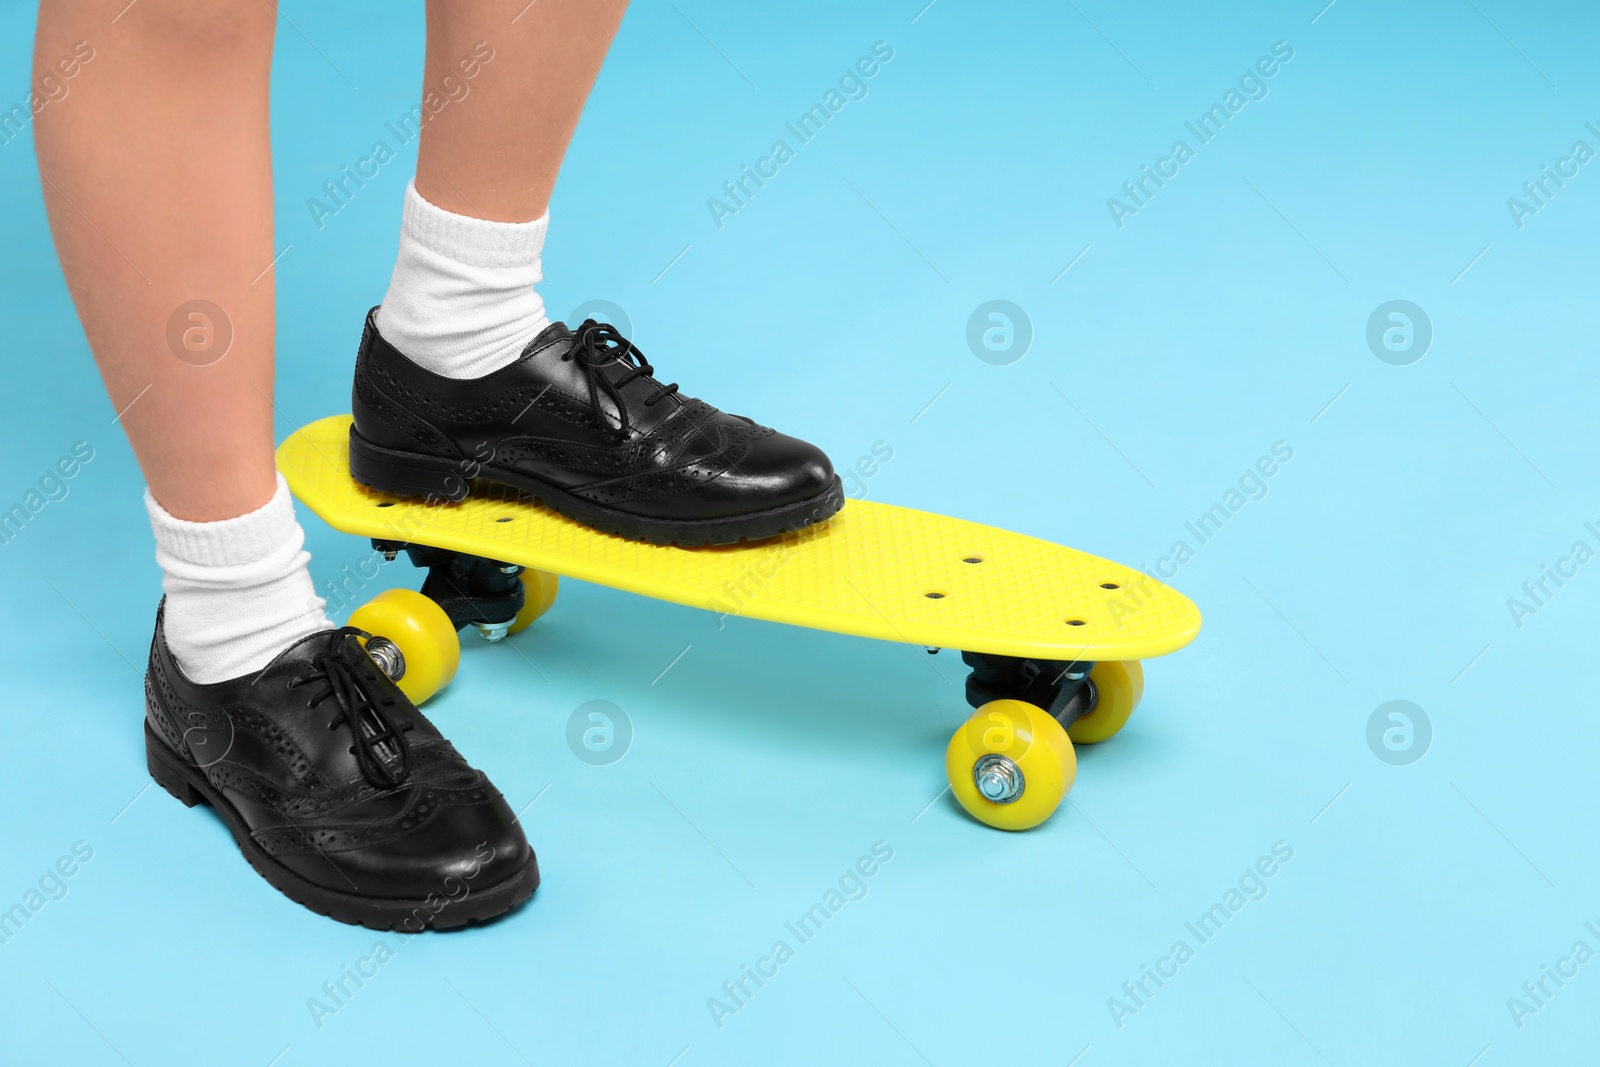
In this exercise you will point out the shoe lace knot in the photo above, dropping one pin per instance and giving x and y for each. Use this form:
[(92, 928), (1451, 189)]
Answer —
[(599, 344), (380, 745)]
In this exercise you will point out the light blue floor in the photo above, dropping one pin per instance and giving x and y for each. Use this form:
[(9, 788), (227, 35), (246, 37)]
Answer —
[(1225, 317)]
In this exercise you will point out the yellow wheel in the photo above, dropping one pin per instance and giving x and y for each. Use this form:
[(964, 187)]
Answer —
[(422, 631), (539, 589), (1118, 686), (1010, 764)]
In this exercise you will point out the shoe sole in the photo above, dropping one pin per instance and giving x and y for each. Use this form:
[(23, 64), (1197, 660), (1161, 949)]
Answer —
[(185, 782), (389, 470)]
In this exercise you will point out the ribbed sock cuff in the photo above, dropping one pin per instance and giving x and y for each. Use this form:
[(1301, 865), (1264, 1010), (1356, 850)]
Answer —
[(248, 538), (473, 242)]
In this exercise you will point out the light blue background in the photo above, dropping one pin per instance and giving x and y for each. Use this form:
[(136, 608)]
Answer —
[(1224, 317)]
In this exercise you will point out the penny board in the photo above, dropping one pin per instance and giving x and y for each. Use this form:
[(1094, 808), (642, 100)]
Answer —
[(873, 570)]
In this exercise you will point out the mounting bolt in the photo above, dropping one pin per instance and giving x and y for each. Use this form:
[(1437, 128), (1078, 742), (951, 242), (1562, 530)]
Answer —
[(998, 779), (510, 568), (389, 554)]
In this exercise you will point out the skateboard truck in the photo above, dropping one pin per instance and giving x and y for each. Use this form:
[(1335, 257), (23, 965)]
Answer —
[(1062, 689), (473, 591)]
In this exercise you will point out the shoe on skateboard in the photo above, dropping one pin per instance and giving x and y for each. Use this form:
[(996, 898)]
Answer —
[(580, 422)]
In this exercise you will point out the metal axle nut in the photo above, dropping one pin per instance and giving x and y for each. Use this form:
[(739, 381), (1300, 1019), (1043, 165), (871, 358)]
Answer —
[(387, 655), (998, 779)]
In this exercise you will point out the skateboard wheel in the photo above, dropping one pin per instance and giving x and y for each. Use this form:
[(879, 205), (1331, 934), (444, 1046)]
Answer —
[(1118, 686), (539, 592), (1010, 764), (423, 633)]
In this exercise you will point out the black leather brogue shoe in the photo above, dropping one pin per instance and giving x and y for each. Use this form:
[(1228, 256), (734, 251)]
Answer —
[(338, 791), (580, 421)]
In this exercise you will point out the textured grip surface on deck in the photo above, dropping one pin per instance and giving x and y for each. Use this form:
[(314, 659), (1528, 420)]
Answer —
[(867, 571)]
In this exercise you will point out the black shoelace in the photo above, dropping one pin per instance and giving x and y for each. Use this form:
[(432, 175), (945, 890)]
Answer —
[(380, 746), (598, 344)]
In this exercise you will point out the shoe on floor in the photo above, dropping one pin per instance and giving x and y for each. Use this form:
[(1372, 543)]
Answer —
[(337, 789), (579, 421)]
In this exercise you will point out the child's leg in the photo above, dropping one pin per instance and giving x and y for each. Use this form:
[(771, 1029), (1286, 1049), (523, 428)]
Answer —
[(461, 359), (462, 299), (157, 177), (157, 173), (495, 154)]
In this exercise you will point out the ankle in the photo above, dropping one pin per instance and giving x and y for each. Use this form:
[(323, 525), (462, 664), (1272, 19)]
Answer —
[(238, 590), (461, 301)]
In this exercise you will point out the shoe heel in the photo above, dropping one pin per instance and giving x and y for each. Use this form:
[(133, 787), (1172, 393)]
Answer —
[(405, 473), (164, 769)]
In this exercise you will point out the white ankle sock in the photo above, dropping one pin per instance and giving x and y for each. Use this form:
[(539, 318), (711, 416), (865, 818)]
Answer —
[(461, 301), (238, 591)]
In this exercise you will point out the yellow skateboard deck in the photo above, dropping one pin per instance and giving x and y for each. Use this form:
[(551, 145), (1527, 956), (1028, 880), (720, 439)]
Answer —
[(873, 570)]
